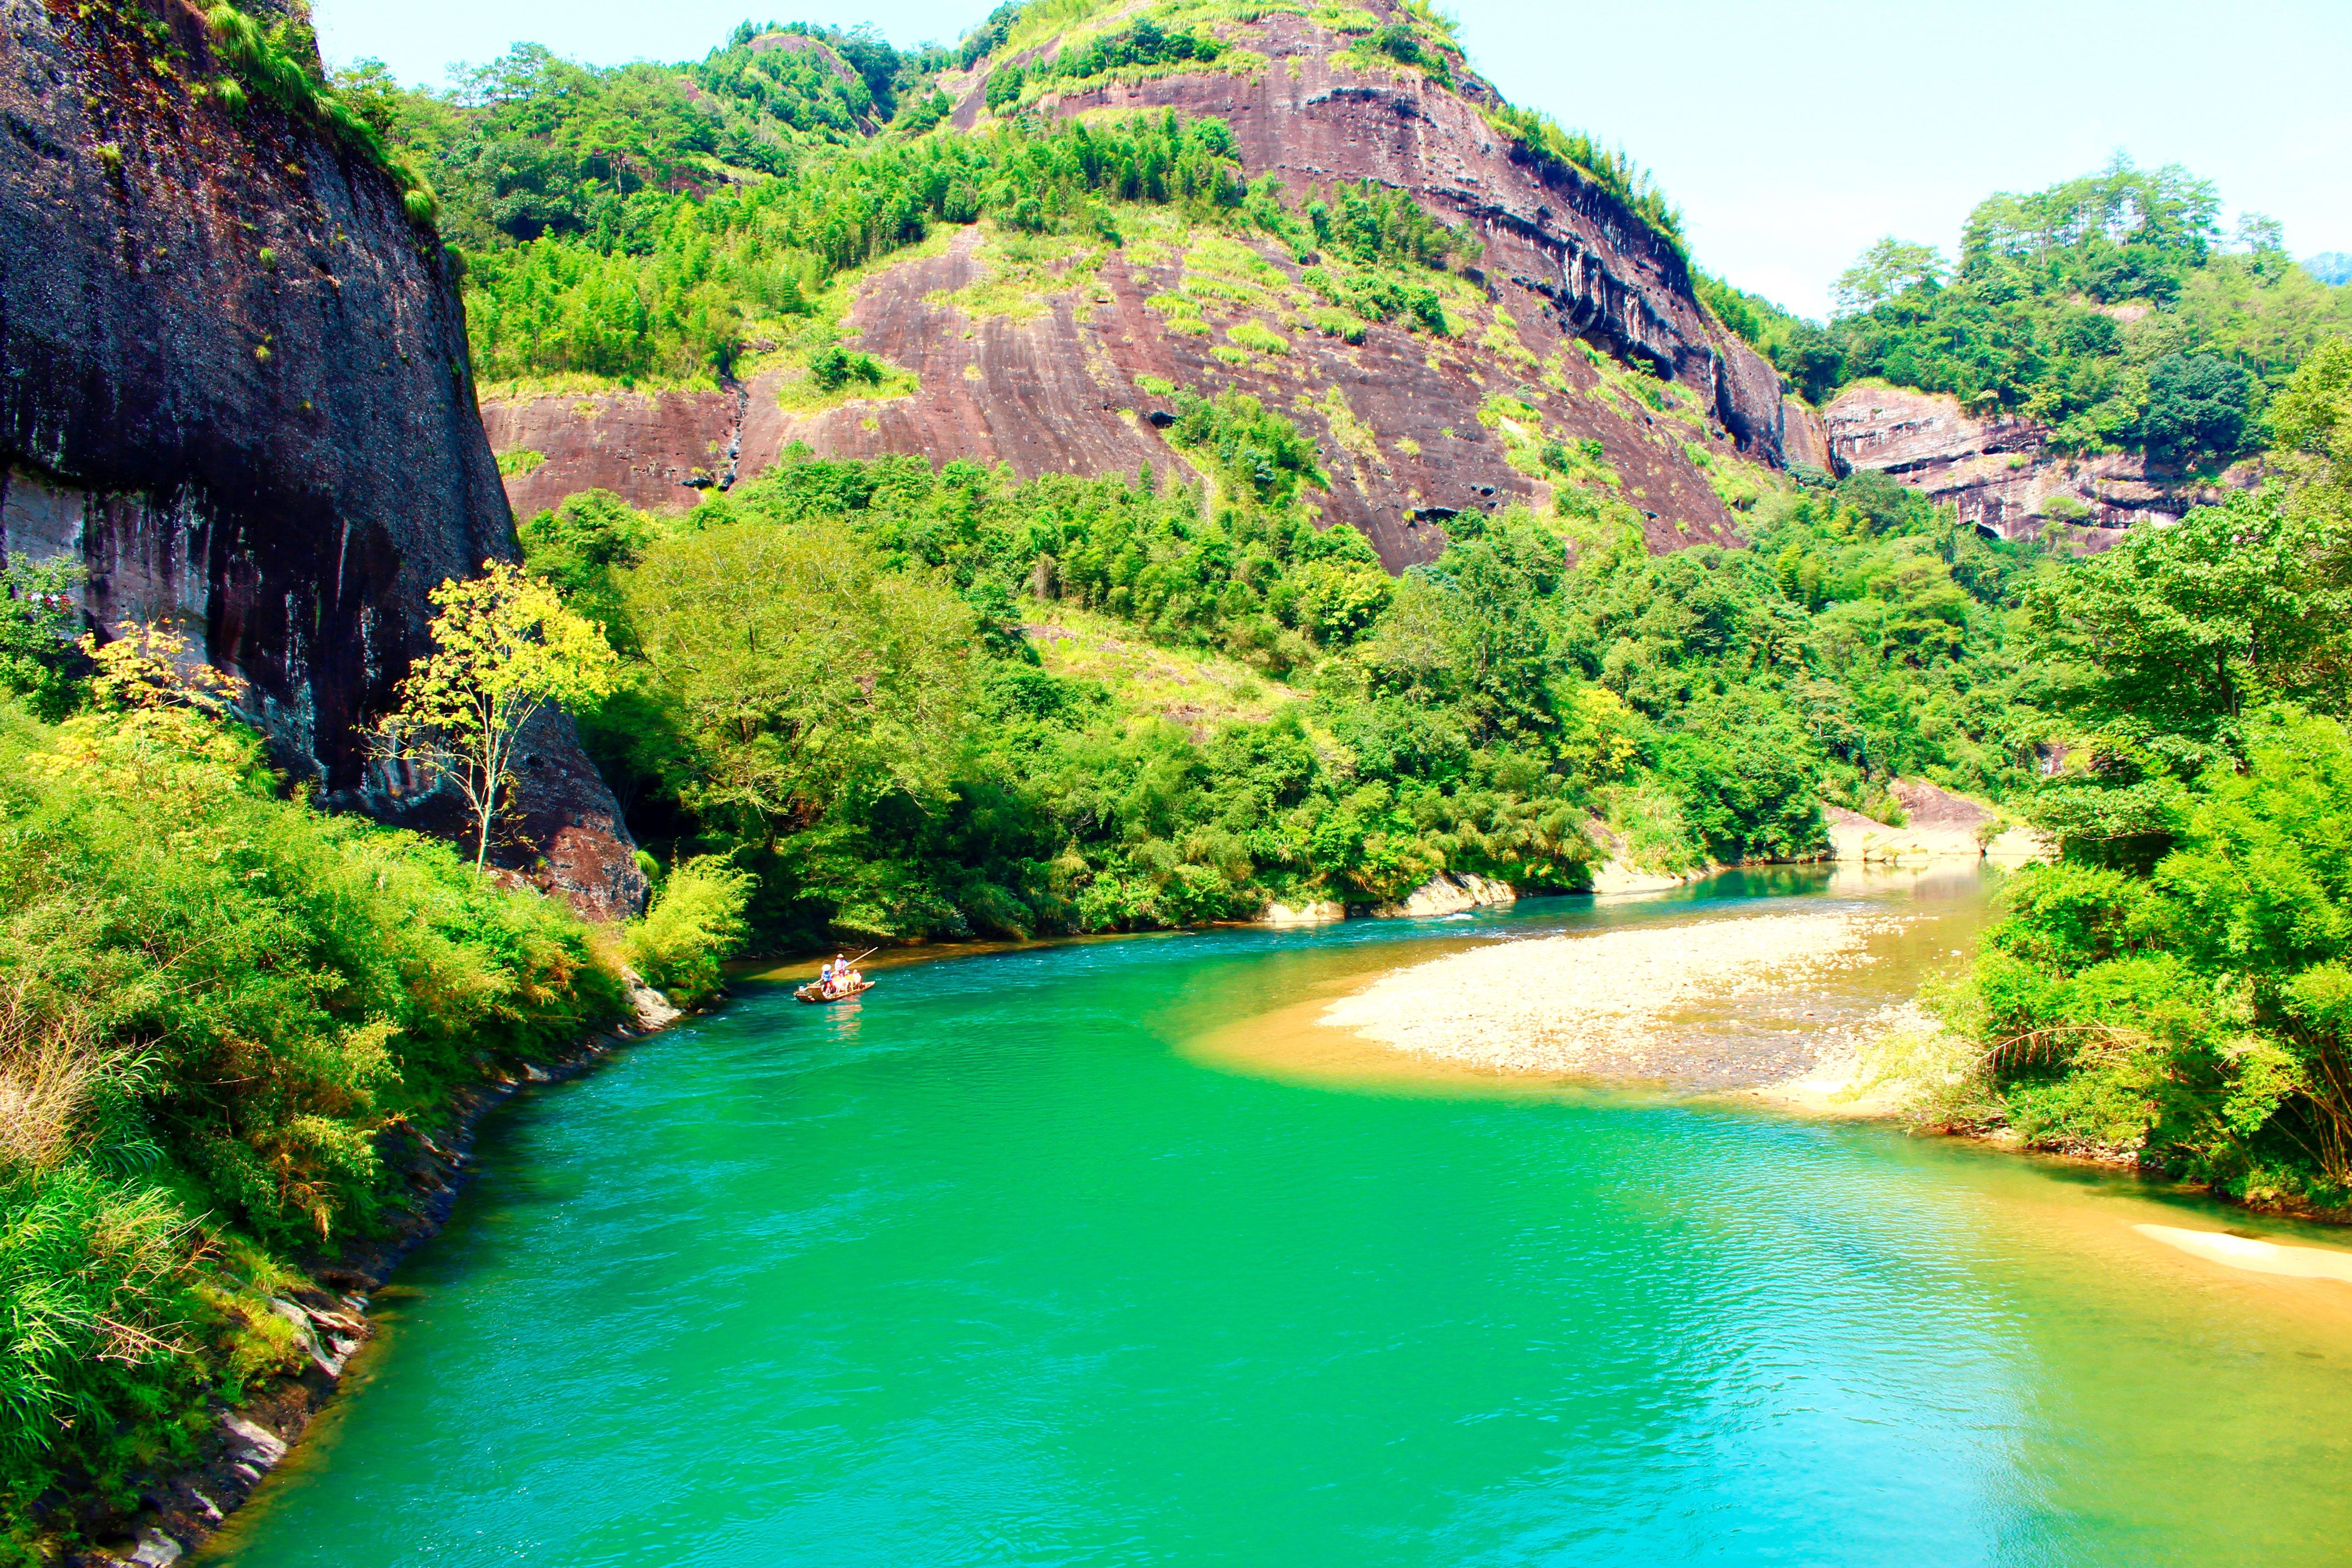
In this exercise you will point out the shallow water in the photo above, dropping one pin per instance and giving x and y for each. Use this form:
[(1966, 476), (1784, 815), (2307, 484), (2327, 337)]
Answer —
[(1054, 1257)]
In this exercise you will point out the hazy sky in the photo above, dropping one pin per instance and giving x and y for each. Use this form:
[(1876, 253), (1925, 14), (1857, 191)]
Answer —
[(1793, 133)]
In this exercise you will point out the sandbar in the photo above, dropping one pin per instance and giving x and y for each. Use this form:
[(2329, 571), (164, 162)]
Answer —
[(2254, 1257), (1614, 1005)]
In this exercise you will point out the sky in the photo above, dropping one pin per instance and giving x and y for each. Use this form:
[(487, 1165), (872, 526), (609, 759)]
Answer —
[(1791, 132)]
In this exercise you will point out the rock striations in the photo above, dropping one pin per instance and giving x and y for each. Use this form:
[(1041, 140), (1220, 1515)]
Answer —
[(1408, 427), (2001, 473), (236, 388)]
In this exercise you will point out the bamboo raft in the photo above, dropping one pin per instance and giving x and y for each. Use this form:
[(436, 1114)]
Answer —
[(816, 993)]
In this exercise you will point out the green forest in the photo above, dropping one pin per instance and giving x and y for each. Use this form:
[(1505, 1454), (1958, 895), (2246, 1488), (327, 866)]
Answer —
[(1496, 711), (2109, 307)]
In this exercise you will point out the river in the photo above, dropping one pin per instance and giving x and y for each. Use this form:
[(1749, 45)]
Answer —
[(1035, 1259)]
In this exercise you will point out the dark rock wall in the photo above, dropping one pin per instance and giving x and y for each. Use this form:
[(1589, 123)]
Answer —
[(235, 385)]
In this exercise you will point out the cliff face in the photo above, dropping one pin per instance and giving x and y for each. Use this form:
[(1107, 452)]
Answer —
[(1409, 426), (2001, 473), (236, 388)]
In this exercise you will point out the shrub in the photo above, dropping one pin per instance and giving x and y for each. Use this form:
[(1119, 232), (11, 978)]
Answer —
[(696, 921), (1005, 88), (213, 1002), (834, 367)]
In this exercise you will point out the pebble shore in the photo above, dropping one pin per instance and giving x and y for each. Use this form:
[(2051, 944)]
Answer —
[(1601, 1005)]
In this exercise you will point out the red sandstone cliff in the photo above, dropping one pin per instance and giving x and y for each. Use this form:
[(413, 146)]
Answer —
[(236, 387), (2001, 473), (1061, 387)]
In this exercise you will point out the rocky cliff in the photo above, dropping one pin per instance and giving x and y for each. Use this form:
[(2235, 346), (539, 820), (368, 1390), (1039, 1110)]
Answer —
[(2001, 472), (236, 388), (1413, 431)]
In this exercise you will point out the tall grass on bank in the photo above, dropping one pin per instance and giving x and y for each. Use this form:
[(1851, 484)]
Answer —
[(215, 1004)]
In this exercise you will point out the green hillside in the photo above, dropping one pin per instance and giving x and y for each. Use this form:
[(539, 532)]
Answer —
[(2109, 307)]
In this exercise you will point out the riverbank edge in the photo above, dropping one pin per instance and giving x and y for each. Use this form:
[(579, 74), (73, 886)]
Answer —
[(183, 1506), (1812, 1097), (1809, 1099)]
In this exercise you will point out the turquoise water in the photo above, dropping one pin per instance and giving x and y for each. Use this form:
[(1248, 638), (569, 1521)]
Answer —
[(991, 1270)]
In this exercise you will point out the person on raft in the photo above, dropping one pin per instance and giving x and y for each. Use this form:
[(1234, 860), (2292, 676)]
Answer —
[(838, 978)]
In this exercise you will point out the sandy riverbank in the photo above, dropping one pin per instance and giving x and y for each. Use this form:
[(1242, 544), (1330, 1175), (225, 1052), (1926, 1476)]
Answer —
[(1621, 1004)]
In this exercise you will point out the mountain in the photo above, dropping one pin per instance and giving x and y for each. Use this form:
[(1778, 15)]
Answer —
[(1561, 338), (2097, 355), (237, 392)]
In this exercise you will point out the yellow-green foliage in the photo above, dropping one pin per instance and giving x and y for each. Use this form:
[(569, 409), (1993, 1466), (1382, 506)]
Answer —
[(835, 376), (1649, 821), (1183, 314), (1189, 686), (213, 1001), (1022, 274), (1256, 336), (1352, 434), (519, 461), (695, 922)]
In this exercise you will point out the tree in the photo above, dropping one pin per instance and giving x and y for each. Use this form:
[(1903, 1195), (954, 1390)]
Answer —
[(37, 620), (801, 674), (2311, 424), (508, 650), (1887, 269), (2195, 404)]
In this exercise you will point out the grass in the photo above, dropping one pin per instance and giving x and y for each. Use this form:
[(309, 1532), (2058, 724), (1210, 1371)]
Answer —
[(1352, 434), (799, 393), (1183, 314), (580, 384), (1021, 275), (1257, 337), (1196, 689)]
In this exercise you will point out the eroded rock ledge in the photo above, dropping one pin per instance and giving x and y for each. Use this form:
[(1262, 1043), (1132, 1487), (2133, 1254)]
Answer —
[(235, 388), (2001, 473)]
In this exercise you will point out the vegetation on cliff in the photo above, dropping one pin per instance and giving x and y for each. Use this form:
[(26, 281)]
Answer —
[(699, 282), (279, 62), (2107, 307), (656, 226), (2177, 985), (585, 259)]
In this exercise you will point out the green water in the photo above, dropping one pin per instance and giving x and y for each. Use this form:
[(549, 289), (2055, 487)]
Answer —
[(993, 1269)]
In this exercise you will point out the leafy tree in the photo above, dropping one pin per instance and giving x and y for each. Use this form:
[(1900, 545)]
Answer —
[(802, 678), (2175, 984), (1004, 88), (1888, 270), (507, 651), (834, 367), (38, 619), (2196, 406), (2106, 306), (581, 545)]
